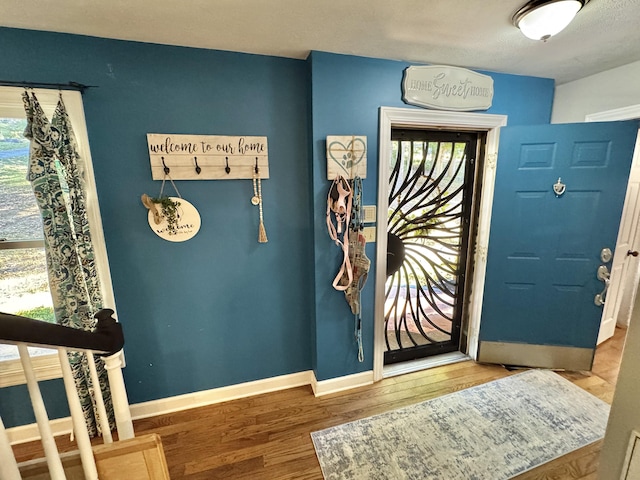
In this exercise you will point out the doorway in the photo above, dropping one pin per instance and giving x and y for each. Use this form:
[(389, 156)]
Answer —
[(488, 125), (432, 203), (413, 118)]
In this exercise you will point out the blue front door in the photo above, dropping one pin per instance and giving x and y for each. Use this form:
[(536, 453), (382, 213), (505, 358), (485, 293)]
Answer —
[(545, 245)]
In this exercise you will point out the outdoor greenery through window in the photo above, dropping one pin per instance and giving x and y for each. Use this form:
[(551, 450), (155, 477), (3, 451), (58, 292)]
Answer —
[(24, 286)]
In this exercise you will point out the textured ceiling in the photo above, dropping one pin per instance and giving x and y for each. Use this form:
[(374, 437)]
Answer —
[(470, 33)]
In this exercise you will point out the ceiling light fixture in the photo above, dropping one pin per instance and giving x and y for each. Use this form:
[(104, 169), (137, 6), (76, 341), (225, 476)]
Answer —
[(541, 19)]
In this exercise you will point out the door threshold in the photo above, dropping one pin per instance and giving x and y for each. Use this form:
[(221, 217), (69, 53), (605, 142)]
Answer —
[(396, 369)]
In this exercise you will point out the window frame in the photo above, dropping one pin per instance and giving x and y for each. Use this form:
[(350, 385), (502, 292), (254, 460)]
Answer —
[(48, 366)]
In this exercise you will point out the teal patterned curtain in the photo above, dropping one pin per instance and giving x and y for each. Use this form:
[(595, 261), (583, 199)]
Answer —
[(57, 178)]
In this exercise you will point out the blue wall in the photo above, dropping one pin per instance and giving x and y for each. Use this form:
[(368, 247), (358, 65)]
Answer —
[(222, 309), (347, 93), (219, 309)]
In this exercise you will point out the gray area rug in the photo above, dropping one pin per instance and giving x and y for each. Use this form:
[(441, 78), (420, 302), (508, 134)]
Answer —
[(493, 431)]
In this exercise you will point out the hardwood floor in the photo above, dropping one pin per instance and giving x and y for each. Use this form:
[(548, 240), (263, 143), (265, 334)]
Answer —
[(268, 436)]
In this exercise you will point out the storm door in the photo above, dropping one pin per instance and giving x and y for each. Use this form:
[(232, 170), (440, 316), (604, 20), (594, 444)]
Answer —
[(432, 178)]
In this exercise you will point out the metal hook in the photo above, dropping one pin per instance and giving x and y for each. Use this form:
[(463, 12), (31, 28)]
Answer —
[(166, 169), (256, 167), (198, 169), (227, 168)]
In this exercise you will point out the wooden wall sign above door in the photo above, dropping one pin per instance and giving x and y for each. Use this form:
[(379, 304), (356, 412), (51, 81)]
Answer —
[(447, 88)]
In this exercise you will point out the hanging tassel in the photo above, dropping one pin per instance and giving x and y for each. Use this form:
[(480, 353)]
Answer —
[(262, 233), (257, 191)]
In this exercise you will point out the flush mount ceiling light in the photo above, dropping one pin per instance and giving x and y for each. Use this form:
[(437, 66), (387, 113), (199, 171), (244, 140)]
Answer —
[(541, 19)]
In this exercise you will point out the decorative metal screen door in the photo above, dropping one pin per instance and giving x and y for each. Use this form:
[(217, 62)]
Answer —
[(431, 192)]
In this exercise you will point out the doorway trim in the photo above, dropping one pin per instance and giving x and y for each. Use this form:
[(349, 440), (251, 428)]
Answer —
[(411, 117), (631, 112)]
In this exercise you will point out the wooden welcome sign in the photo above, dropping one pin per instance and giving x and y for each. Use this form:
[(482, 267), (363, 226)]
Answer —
[(207, 157)]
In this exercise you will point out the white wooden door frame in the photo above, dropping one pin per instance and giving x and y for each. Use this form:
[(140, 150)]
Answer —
[(411, 117), (625, 271)]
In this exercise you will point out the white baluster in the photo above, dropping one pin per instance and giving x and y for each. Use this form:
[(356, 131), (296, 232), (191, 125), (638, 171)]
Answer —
[(48, 441), (8, 466), (113, 365), (77, 417), (102, 411)]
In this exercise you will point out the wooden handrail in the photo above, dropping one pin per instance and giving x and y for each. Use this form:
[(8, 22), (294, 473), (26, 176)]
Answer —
[(107, 338)]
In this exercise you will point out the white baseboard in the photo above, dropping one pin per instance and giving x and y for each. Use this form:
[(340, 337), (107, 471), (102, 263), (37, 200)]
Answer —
[(333, 385), (30, 433), (61, 426), (218, 395)]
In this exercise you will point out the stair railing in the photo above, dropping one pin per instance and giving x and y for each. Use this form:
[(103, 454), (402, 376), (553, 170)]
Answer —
[(106, 341)]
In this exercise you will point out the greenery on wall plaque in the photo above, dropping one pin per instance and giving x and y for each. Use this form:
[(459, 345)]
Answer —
[(169, 210), (166, 222)]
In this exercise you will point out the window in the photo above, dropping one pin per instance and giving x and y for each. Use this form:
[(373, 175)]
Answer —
[(24, 287)]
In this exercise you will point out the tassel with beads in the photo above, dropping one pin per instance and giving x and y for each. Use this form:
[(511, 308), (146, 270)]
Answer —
[(257, 200), (262, 233)]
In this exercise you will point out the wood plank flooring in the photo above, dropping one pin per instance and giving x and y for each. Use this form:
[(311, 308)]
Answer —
[(268, 436)]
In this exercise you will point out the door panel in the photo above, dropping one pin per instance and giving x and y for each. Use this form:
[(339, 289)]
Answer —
[(544, 249)]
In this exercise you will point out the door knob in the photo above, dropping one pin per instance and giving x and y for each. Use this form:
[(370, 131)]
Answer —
[(633, 253), (603, 275)]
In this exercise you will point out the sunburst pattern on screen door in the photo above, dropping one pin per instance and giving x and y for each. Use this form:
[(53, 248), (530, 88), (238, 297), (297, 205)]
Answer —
[(430, 193)]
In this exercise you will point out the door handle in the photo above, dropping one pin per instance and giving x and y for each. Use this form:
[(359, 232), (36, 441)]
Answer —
[(604, 276), (633, 253)]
